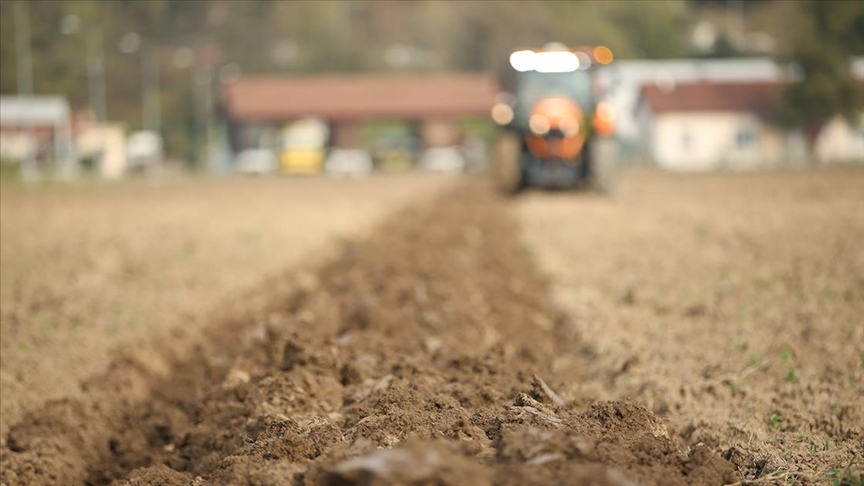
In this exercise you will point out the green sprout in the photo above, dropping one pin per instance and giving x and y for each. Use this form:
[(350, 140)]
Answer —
[(840, 477), (735, 386), (754, 360), (775, 420)]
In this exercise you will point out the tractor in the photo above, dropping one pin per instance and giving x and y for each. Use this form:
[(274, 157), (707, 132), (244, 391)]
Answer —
[(556, 130)]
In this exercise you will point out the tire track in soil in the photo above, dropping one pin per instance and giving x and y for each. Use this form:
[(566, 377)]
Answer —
[(427, 353)]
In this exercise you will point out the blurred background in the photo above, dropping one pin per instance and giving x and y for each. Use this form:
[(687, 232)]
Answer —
[(116, 88), (140, 129)]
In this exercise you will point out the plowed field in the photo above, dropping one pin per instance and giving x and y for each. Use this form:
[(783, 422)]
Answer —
[(693, 330)]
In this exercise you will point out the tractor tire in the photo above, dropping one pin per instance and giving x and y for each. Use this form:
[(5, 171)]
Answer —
[(506, 163), (603, 171)]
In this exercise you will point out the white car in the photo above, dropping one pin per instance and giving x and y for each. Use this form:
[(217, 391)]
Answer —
[(256, 161), (443, 159), (143, 150), (348, 162)]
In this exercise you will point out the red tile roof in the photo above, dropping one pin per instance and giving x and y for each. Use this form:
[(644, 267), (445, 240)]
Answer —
[(763, 98), (353, 97)]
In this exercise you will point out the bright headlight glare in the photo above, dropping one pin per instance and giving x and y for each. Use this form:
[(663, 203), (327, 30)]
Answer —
[(538, 124), (556, 62), (605, 111), (603, 55), (548, 61), (522, 60), (502, 114)]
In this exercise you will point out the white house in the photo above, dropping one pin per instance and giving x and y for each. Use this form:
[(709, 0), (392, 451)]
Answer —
[(36, 130), (705, 126), (104, 144), (710, 125), (624, 80), (841, 142)]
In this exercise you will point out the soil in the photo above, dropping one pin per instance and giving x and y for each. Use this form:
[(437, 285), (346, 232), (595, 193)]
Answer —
[(730, 304), (551, 339), (94, 269)]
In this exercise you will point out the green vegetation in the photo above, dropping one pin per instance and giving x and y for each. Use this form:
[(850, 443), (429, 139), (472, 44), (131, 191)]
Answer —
[(735, 387), (840, 477), (376, 131), (814, 447), (831, 33), (42, 320), (262, 36), (775, 420), (9, 172), (124, 315), (754, 360)]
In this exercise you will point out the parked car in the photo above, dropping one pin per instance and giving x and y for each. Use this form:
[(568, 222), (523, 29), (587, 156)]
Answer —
[(256, 161), (143, 151), (395, 152), (304, 146), (443, 159), (348, 162)]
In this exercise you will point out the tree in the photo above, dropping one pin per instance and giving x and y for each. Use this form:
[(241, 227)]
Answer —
[(833, 32), (653, 30)]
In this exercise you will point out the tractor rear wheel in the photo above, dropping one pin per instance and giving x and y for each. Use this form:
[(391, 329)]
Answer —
[(603, 171), (506, 163)]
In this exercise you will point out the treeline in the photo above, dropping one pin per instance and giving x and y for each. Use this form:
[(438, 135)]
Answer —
[(261, 36)]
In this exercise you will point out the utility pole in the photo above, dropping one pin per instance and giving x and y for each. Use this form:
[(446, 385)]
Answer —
[(152, 110), (735, 23), (204, 80), (100, 100), (24, 67), (94, 63), (24, 55), (96, 73)]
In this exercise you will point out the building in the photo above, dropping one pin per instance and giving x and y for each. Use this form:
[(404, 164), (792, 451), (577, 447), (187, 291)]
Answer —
[(258, 108), (841, 142), (101, 146), (624, 80), (710, 125), (37, 131)]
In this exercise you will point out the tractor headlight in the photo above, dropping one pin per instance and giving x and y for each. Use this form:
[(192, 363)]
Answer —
[(569, 127), (539, 124), (502, 113)]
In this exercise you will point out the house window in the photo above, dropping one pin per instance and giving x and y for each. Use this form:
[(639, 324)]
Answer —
[(746, 138), (686, 140)]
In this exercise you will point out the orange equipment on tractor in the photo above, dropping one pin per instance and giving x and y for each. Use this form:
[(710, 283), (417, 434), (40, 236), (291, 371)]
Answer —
[(557, 132)]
